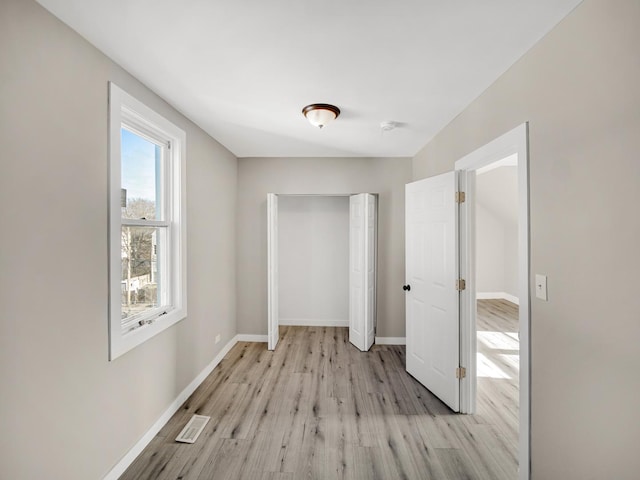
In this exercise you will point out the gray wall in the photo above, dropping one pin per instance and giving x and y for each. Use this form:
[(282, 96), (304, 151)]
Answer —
[(65, 411), (497, 231), (578, 89), (511, 259), (490, 261), (313, 256), (259, 176)]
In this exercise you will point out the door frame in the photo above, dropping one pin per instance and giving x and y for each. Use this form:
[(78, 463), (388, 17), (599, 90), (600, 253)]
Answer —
[(273, 314), (513, 142)]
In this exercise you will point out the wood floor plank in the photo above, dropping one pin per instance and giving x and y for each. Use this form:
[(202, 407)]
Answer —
[(153, 459), (457, 464), (318, 408), (227, 461), (190, 461), (435, 432)]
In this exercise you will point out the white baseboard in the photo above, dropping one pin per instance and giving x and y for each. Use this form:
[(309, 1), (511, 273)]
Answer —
[(243, 337), (497, 296), (391, 340), (131, 455), (311, 322)]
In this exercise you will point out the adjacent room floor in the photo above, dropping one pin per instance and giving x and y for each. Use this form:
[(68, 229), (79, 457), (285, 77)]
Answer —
[(498, 368), (319, 408)]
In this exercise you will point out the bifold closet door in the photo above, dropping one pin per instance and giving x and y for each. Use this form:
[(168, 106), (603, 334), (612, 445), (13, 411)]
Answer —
[(362, 270), (273, 333)]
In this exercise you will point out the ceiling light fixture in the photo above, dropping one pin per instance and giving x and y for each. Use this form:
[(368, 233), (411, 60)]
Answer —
[(319, 114)]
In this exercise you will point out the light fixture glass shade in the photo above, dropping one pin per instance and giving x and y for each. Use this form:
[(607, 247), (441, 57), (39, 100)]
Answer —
[(319, 117), (319, 114)]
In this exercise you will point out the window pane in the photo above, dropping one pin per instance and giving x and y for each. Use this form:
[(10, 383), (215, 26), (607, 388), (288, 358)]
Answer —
[(141, 271), (141, 177)]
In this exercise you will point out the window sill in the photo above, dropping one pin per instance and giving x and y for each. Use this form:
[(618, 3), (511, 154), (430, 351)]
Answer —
[(121, 342)]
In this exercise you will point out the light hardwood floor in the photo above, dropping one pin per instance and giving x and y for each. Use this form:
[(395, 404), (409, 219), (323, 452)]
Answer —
[(319, 408), (498, 368)]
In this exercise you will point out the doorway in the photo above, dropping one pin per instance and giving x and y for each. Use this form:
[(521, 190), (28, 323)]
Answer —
[(306, 264), (496, 285), (511, 149), (441, 308)]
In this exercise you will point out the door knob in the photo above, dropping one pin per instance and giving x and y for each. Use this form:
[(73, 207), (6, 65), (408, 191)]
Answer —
[(406, 288)]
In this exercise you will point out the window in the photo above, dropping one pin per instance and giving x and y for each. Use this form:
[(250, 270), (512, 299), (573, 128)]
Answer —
[(147, 244)]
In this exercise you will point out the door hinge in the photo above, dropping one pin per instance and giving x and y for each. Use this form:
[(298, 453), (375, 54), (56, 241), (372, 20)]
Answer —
[(461, 372), (169, 144), (461, 284), (460, 197)]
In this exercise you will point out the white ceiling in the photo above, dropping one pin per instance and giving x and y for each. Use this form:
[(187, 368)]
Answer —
[(243, 69)]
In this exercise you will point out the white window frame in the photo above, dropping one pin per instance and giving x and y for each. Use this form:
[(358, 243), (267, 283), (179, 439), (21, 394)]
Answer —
[(125, 110)]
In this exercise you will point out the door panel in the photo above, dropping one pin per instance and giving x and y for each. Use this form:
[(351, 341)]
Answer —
[(432, 322), (370, 323), (273, 333), (362, 270), (356, 274)]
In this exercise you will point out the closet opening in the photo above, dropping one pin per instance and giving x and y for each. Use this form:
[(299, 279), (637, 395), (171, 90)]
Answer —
[(313, 263), (322, 263)]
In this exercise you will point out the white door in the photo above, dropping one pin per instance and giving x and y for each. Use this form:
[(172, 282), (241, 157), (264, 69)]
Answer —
[(362, 270), (273, 334), (432, 299)]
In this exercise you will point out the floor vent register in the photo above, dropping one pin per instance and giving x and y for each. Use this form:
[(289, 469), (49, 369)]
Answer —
[(193, 429)]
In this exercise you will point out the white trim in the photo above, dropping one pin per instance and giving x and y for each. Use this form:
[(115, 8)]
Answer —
[(467, 269), (494, 151), (140, 445), (497, 296), (510, 161), (243, 337), (313, 322), (123, 108), (513, 142), (131, 222), (391, 340)]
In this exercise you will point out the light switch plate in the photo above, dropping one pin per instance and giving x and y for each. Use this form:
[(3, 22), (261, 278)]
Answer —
[(541, 287)]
